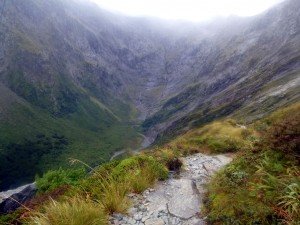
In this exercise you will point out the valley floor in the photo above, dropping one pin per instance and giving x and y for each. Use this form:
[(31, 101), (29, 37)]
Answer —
[(176, 200)]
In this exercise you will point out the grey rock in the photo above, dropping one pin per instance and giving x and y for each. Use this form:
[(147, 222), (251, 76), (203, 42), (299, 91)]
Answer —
[(145, 218), (138, 217), (154, 222), (185, 203), (10, 200), (194, 221)]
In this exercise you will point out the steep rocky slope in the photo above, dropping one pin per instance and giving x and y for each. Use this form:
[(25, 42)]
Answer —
[(80, 80), (251, 63)]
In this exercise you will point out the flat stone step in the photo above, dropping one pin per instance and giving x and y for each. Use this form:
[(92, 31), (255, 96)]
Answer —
[(184, 202)]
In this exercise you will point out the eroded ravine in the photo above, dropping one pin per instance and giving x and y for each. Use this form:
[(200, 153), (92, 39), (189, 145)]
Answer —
[(176, 201)]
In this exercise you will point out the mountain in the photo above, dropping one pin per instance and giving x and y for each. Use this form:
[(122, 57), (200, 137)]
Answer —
[(249, 67), (78, 81)]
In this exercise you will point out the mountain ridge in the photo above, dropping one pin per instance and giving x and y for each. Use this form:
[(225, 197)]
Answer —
[(70, 68)]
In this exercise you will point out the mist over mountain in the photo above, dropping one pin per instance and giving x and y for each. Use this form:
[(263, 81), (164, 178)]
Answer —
[(78, 81)]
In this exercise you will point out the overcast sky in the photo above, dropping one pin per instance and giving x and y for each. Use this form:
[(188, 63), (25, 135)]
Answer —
[(193, 10)]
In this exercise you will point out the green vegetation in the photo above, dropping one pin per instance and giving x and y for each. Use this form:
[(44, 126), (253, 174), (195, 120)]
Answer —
[(262, 185), (20, 161), (217, 137), (73, 197), (59, 100), (27, 147), (283, 132), (11, 218), (254, 190), (56, 178), (93, 122), (111, 183), (222, 136)]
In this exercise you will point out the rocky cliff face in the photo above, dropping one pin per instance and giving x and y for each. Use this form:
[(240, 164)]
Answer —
[(237, 67), (69, 67)]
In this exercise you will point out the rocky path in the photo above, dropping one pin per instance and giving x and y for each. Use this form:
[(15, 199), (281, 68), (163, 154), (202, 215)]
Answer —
[(176, 201)]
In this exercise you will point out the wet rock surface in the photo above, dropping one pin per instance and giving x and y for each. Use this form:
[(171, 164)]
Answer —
[(176, 201), (10, 200)]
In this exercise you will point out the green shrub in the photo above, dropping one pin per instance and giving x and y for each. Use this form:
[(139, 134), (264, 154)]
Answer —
[(245, 133), (142, 179), (55, 178), (132, 165), (104, 188), (124, 167)]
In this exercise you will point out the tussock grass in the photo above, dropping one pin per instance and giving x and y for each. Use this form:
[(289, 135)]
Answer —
[(74, 211), (222, 136), (137, 163), (142, 179), (113, 196), (100, 194), (110, 183), (217, 137)]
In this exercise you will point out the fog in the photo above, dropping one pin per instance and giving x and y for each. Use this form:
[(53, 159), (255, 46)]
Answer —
[(191, 10)]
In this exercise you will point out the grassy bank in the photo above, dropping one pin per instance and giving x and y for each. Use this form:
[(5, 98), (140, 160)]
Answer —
[(262, 184), (75, 197)]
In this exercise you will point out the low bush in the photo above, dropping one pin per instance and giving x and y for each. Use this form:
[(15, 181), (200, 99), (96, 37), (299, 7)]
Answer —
[(55, 178), (142, 179), (174, 164), (133, 165), (284, 132), (222, 144)]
